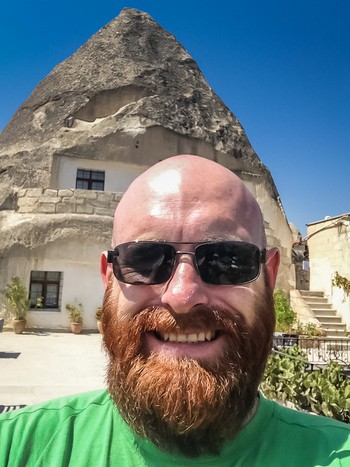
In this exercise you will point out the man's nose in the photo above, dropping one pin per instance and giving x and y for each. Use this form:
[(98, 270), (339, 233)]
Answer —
[(185, 289)]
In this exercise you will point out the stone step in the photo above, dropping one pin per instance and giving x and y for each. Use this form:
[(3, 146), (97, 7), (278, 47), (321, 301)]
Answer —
[(324, 312), (318, 306), (335, 333), (327, 316), (315, 299), (334, 326), (311, 303), (329, 319), (312, 293)]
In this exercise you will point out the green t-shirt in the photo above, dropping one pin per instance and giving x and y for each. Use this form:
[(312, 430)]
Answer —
[(86, 430)]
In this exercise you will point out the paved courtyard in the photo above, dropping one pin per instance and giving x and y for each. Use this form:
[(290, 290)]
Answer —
[(38, 366)]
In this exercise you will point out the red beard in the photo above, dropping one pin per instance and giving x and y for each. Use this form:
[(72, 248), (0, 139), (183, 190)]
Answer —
[(180, 404)]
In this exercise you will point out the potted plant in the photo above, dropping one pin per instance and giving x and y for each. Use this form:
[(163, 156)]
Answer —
[(75, 315), (309, 333), (17, 303), (98, 319)]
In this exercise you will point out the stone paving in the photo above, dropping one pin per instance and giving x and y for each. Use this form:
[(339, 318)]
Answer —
[(37, 365)]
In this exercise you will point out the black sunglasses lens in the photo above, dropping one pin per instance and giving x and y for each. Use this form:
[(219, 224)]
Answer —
[(145, 263), (228, 263)]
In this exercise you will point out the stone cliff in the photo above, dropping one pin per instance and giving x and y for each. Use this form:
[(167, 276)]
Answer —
[(130, 95), (130, 76)]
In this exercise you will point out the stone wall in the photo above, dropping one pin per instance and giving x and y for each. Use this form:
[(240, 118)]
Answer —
[(38, 201), (286, 277), (49, 201), (329, 252)]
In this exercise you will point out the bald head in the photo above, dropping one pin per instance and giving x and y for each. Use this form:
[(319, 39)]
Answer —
[(188, 198)]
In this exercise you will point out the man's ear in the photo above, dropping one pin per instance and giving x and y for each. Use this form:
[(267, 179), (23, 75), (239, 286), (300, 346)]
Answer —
[(272, 263), (105, 268)]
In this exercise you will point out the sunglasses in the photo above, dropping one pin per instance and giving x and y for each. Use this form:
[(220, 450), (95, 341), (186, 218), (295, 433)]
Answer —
[(217, 263)]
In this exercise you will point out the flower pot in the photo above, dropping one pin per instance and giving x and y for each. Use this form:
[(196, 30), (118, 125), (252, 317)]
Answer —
[(76, 327), (19, 325)]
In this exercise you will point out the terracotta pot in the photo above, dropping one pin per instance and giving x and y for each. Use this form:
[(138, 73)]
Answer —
[(76, 327), (19, 325), (99, 326)]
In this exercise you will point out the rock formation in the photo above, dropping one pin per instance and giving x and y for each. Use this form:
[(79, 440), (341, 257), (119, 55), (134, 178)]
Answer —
[(130, 77), (130, 95)]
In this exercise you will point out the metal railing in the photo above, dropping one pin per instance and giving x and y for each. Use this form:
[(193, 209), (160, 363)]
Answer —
[(319, 351)]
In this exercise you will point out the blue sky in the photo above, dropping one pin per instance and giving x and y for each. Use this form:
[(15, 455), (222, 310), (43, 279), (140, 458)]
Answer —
[(282, 67)]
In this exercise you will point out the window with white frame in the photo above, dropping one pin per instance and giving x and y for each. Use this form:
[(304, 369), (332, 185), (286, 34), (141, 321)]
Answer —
[(45, 285)]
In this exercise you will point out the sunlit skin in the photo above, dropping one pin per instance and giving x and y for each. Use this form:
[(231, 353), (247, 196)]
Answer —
[(188, 199)]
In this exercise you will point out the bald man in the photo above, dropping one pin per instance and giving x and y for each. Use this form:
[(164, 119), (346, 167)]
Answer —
[(188, 321)]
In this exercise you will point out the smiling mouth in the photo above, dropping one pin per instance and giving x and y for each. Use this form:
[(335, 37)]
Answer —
[(187, 338)]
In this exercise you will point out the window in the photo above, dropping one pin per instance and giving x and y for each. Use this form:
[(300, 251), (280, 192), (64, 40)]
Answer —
[(90, 180), (45, 284)]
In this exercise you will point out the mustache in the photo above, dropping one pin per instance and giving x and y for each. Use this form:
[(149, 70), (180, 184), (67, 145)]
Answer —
[(164, 319), (199, 319), (160, 320)]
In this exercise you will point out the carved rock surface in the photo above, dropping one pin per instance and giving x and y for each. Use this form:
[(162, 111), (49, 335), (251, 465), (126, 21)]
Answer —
[(130, 95), (130, 76)]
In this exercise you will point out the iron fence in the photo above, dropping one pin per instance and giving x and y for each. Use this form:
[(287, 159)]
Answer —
[(319, 351)]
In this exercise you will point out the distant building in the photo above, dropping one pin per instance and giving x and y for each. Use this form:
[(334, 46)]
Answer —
[(329, 250)]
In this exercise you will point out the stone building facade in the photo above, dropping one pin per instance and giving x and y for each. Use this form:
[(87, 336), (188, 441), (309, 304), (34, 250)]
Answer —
[(329, 251)]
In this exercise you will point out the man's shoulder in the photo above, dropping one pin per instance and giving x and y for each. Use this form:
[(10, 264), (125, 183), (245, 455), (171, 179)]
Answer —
[(307, 420), (71, 405), (305, 429), (59, 429)]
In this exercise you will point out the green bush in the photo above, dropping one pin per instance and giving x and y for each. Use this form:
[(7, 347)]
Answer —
[(98, 313), (324, 392), (285, 316), (75, 313), (309, 330), (16, 298), (341, 282)]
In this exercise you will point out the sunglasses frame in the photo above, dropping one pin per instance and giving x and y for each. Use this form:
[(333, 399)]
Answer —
[(111, 254)]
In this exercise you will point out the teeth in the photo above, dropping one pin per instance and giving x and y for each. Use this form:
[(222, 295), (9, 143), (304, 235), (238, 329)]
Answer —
[(191, 338), (209, 335), (201, 336), (180, 337)]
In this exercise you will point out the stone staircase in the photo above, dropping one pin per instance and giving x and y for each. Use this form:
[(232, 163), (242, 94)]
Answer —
[(323, 311)]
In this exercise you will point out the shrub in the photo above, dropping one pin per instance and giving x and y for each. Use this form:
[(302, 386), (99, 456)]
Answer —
[(324, 392), (98, 313), (309, 330), (16, 298), (285, 316), (75, 313), (341, 282)]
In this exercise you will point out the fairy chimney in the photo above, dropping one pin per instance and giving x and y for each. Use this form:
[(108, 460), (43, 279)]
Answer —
[(129, 97)]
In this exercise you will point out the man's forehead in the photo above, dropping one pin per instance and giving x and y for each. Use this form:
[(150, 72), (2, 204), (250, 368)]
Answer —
[(165, 183), (174, 194), (186, 189), (185, 177)]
